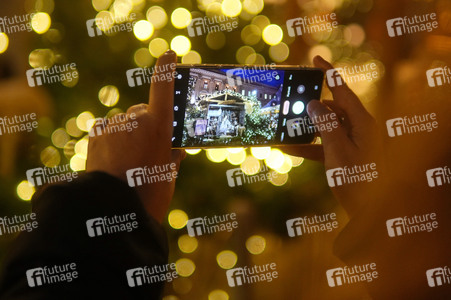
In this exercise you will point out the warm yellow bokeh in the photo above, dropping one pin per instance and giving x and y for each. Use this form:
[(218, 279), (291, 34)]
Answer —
[(25, 190), (50, 157), (60, 138), (158, 46), (218, 295), (256, 244), (143, 30), (181, 18), (236, 158), (226, 259), (185, 267), (187, 244), (72, 129), (157, 16), (100, 5), (109, 95), (250, 165), (177, 219), (181, 45), (78, 162), (40, 22), (217, 155), (272, 34), (84, 119), (192, 57), (4, 42), (231, 8), (275, 159), (192, 151)]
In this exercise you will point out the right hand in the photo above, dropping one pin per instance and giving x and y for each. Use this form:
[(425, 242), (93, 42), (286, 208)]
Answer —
[(354, 142)]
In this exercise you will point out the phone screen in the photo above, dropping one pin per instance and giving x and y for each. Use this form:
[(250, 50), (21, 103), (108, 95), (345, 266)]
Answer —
[(237, 106)]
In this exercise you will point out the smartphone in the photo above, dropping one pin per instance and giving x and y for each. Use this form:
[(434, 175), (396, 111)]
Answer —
[(238, 106)]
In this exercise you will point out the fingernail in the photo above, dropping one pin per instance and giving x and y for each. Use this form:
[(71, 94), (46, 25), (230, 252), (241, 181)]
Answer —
[(320, 58), (170, 52), (311, 110), (169, 57)]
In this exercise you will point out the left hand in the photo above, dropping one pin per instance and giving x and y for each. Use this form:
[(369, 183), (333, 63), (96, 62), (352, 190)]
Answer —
[(147, 145)]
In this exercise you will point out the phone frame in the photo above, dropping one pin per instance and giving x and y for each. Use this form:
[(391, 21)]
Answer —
[(233, 66)]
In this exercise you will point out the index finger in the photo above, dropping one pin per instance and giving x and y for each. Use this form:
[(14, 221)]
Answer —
[(161, 96), (343, 95)]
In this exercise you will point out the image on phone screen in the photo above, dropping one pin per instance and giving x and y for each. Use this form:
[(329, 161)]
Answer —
[(243, 106)]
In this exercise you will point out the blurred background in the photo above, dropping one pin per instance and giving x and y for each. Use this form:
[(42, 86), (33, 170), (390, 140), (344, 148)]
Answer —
[(57, 34)]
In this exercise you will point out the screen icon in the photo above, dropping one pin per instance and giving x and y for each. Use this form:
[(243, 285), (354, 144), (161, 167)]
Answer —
[(298, 107)]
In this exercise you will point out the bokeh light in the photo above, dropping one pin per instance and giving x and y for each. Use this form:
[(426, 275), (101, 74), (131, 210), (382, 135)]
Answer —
[(243, 53), (121, 8), (181, 45), (60, 138), (44, 5), (279, 52), (83, 121), (78, 162), (255, 59), (81, 147), (217, 155), (253, 7), (251, 34), (25, 190), (250, 165), (177, 219), (4, 42), (261, 152), (272, 34), (143, 30), (296, 161), (40, 22), (278, 179), (101, 4), (69, 149), (218, 295), (158, 46), (193, 151), (354, 34), (143, 58), (214, 9), (286, 165), (72, 128), (185, 267), (157, 16), (226, 259), (192, 57), (181, 18), (40, 58), (261, 21), (187, 244), (104, 20), (320, 50), (256, 244), (237, 157), (275, 159), (231, 8), (50, 157), (109, 95)]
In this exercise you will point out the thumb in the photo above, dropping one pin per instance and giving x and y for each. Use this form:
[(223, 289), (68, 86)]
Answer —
[(320, 115), (177, 155)]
